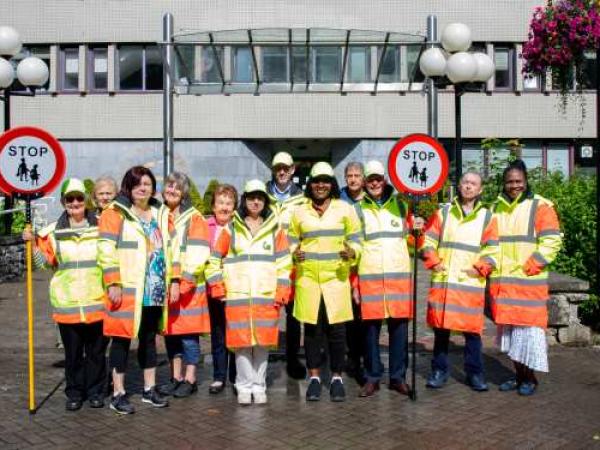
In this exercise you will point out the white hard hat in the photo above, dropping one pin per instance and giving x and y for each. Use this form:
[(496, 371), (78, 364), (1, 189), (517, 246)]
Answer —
[(321, 169), (255, 186), (282, 158), (72, 185), (374, 167)]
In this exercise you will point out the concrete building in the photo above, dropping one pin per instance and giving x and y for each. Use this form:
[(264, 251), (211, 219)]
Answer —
[(104, 96)]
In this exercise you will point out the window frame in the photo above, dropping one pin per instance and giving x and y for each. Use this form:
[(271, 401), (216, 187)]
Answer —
[(90, 60), (117, 75), (511, 68), (62, 69)]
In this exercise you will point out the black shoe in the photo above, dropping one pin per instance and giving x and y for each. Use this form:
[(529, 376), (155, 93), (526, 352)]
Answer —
[(154, 398), (168, 388), (337, 393), (96, 402), (437, 379), (73, 404), (313, 393), (477, 382), (185, 389), (295, 369), (121, 405), (216, 387)]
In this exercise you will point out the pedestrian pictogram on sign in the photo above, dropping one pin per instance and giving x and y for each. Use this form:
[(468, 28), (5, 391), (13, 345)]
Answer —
[(32, 162), (418, 165)]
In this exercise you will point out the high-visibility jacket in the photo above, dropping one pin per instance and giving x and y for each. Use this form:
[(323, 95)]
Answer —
[(283, 210), (123, 257), (384, 269), (76, 291), (456, 300), (254, 274), (530, 239), (323, 273), (187, 253)]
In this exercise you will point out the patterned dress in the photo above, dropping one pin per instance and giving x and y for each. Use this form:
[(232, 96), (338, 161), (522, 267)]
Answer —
[(154, 285)]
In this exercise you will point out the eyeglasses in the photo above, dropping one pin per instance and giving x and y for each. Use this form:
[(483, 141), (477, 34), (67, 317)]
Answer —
[(72, 198)]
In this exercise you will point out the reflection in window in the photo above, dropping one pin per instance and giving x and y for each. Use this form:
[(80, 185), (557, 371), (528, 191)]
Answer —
[(472, 160), (390, 66), (532, 82), (359, 65), (70, 69), (557, 159), (98, 80), (327, 64), (140, 68), (532, 157), (589, 70), (299, 64), (153, 69), (503, 58), (243, 68), (274, 64), (412, 57)]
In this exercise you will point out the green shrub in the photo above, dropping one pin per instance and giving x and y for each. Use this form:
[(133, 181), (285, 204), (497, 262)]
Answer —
[(208, 195), (195, 197), (89, 190)]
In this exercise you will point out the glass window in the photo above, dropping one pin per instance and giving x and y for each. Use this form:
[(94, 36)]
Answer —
[(557, 159), (532, 157), (243, 68), (70, 69), (98, 80), (472, 160), (327, 64), (212, 64), (359, 65), (274, 64), (503, 58), (389, 71), (532, 82), (153, 69), (589, 70), (131, 68), (299, 64), (412, 58)]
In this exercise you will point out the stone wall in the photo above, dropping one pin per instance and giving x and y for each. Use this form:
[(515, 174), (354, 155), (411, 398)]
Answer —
[(12, 258), (564, 327)]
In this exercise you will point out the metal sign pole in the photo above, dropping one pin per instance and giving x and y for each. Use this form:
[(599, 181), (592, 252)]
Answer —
[(415, 233), (28, 258)]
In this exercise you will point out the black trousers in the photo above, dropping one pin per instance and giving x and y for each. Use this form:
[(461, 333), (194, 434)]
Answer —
[(317, 336), (292, 333), (85, 359), (356, 337), (146, 354)]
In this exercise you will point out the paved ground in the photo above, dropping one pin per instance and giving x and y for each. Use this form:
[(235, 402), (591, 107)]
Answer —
[(565, 413)]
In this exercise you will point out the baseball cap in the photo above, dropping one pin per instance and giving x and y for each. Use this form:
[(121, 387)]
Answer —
[(374, 167), (255, 186), (282, 158), (72, 185), (321, 169)]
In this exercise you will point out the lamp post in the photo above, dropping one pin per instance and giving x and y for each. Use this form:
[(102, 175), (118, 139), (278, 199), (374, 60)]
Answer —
[(459, 67), (31, 72)]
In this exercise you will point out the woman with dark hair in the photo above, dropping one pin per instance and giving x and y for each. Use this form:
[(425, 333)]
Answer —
[(324, 237), (530, 239), (131, 254), (186, 316), (250, 269)]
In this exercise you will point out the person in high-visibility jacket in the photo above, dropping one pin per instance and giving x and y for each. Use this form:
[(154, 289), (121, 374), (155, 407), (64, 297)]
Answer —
[(325, 241), (461, 246), (250, 267), (131, 253), (530, 240), (187, 253), (69, 247), (285, 196), (384, 279)]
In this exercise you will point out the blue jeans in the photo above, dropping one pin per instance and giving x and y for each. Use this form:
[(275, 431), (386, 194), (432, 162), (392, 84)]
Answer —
[(472, 353), (185, 346), (398, 350), (222, 358)]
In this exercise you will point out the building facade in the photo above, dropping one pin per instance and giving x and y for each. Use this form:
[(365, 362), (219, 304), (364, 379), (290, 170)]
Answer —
[(104, 96)]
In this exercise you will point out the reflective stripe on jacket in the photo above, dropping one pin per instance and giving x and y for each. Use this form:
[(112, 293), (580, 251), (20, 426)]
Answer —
[(255, 271), (122, 255), (384, 269), (530, 239), (456, 299), (76, 291), (323, 274), (187, 253)]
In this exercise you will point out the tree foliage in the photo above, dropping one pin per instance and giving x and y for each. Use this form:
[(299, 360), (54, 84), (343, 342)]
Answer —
[(208, 195)]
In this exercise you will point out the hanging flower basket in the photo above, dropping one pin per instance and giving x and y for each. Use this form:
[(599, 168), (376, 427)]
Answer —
[(559, 35)]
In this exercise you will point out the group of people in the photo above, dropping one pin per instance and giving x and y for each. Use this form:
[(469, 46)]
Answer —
[(338, 262)]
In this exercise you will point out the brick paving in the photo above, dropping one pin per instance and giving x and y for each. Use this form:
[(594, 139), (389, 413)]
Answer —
[(565, 413)]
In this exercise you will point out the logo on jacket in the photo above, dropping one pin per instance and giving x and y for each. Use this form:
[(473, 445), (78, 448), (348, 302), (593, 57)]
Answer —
[(395, 223), (266, 246)]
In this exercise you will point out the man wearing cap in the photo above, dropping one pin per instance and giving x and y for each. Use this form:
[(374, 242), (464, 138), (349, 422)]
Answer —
[(69, 247), (384, 279), (285, 196)]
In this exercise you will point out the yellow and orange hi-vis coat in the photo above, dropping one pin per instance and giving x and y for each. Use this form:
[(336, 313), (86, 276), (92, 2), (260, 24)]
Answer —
[(122, 255), (187, 253), (384, 269), (460, 242), (253, 273), (530, 239), (323, 273), (76, 291)]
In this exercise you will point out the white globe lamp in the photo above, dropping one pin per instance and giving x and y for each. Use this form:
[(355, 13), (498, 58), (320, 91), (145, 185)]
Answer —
[(10, 42), (32, 72), (461, 68), (7, 73), (433, 62), (456, 37), (485, 67)]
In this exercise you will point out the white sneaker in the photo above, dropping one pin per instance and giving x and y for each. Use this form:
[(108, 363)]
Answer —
[(244, 398), (260, 398)]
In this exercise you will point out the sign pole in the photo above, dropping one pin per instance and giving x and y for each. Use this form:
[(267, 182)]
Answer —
[(28, 256), (415, 233)]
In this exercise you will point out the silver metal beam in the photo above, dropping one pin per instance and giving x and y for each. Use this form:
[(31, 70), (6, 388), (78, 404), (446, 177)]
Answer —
[(432, 90), (168, 165)]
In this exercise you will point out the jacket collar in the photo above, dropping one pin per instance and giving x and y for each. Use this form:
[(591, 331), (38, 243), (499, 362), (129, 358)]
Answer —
[(123, 203), (527, 195), (388, 192), (63, 221)]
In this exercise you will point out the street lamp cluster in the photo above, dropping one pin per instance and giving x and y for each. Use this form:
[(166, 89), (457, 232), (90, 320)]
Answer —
[(31, 72), (460, 67)]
